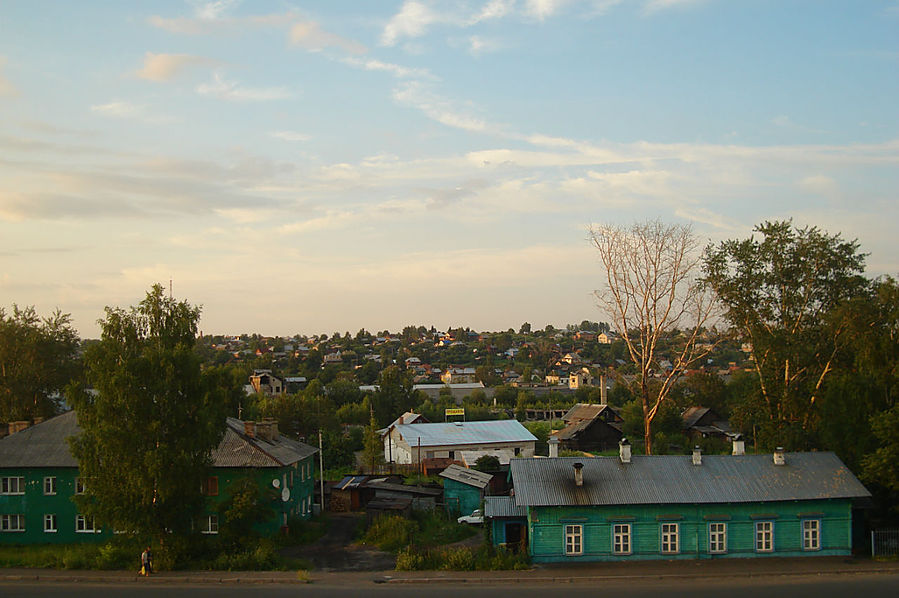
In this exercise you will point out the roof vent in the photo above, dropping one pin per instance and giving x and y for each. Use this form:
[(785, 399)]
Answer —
[(697, 455), (739, 445), (578, 474), (624, 450), (553, 443), (779, 456)]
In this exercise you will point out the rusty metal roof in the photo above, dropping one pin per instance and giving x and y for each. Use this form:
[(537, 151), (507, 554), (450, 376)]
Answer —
[(503, 506), (673, 479), (41, 445)]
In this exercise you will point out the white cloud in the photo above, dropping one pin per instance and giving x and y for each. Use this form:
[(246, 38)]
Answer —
[(443, 111), (127, 110), (541, 9), (820, 184), (654, 6), (165, 67), (290, 136), (331, 220), (6, 88), (478, 45), (228, 90), (311, 36), (396, 70), (412, 20), (213, 10), (206, 21)]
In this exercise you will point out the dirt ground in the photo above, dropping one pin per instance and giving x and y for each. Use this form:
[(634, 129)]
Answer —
[(337, 551)]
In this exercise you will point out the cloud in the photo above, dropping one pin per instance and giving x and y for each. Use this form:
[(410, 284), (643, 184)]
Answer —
[(290, 136), (213, 10), (478, 45), (654, 6), (127, 110), (331, 220), (208, 20), (309, 35), (415, 94), (228, 90), (541, 9), (7, 89), (412, 20), (370, 64), (165, 67), (820, 184)]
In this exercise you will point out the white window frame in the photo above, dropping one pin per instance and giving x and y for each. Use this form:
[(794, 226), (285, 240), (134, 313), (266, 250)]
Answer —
[(12, 523), (50, 526), (621, 539), (574, 539), (764, 536), (718, 537), (811, 534), (12, 485), (211, 524), (85, 525), (79, 485), (670, 538), (49, 485)]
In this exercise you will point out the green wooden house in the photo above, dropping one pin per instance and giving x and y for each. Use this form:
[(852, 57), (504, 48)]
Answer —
[(463, 489), (683, 507), (39, 477)]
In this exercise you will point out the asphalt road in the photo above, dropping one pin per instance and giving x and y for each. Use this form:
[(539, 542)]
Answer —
[(818, 586)]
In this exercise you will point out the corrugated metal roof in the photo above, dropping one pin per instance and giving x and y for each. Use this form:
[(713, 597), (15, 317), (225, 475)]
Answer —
[(459, 433), (41, 445), (472, 477), (582, 411), (503, 506), (504, 455), (673, 479), (238, 450)]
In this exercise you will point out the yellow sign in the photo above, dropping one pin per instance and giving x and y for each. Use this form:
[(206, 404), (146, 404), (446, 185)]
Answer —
[(455, 412)]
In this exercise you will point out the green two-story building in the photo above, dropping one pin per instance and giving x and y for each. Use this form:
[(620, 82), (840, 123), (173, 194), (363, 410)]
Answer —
[(679, 506), (39, 477)]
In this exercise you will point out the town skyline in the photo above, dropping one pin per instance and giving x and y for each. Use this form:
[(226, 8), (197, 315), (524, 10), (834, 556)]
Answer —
[(303, 168)]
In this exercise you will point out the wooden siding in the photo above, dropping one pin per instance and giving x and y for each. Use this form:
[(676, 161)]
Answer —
[(547, 542), (461, 499)]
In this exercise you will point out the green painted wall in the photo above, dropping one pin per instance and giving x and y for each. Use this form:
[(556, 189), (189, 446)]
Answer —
[(459, 498), (34, 504), (547, 541)]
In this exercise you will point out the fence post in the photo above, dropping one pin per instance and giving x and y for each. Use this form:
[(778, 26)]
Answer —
[(873, 553)]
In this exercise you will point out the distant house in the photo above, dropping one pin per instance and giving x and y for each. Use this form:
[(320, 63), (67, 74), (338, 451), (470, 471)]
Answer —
[(412, 443), (702, 422), (459, 376), (580, 378), (682, 507), (590, 427), (263, 381), (463, 489), (603, 338), (39, 476)]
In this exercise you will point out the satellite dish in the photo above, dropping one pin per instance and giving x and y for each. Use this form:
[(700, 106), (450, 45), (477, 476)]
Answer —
[(285, 494), (276, 483)]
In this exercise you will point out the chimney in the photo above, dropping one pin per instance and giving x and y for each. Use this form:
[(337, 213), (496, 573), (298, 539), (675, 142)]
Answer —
[(697, 455), (779, 456), (249, 428), (602, 389), (739, 445), (578, 474), (624, 450), (400, 422), (553, 443)]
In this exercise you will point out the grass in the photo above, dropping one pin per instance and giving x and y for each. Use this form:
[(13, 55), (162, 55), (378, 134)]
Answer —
[(425, 529), (462, 558)]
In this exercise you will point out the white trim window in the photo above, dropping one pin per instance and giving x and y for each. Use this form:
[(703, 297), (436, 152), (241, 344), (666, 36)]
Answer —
[(85, 525), (811, 534), (717, 538), (50, 485), (764, 536), (211, 524), (621, 538), (574, 540), (79, 485), (12, 523), (12, 485), (50, 523), (670, 538)]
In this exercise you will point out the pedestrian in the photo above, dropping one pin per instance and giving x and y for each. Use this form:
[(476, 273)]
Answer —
[(146, 562)]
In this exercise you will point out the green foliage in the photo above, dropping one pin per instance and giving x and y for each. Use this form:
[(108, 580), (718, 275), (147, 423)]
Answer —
[(246, 504), (118, 553), (373, 448), (390, 532), (37, 359), (882, 466), (464, 558), (487, 463), (147, 433)]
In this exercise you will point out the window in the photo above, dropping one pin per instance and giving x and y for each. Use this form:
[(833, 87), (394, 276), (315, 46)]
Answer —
[(574, 539), (12, 485), (670, 538), (12, 523), (50, 485), (210, 486), (50, 523), (621, 538), (211, 524), (764, 536), (717, 538), (85, 525), (79, 486), (811, 534)]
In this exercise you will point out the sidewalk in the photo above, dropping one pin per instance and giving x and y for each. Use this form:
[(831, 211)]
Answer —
[(544, 574)]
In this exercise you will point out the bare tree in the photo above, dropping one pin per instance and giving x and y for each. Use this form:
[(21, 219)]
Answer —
[(652, 295)]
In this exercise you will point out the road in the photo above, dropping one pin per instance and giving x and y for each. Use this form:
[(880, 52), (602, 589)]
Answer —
[(819, 586)]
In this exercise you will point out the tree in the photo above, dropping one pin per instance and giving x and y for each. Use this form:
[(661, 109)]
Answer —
[(372, 448), (37, 360), (650, 292), (783, 294), (148, 430)]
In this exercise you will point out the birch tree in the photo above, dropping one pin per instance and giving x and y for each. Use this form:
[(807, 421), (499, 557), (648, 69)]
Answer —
[(652, 296)]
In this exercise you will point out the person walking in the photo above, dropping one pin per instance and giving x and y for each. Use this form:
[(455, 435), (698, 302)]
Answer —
[(146, 562)]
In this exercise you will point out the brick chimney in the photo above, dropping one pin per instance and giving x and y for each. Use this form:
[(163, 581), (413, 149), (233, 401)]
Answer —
[(249, 428), (578, 474)]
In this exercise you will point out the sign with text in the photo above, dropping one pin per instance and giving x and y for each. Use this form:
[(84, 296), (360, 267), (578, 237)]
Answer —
[(450, 412)]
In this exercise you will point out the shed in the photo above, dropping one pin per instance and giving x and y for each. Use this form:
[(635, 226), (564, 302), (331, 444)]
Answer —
[(463, 489)]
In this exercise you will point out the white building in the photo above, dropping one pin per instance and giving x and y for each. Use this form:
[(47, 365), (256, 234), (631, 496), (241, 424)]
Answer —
[(412, 443)]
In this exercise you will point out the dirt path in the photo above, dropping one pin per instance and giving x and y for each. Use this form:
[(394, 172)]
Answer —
[(337, 551)]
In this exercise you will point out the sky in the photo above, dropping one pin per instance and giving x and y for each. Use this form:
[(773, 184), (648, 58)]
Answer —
[(320, 167)]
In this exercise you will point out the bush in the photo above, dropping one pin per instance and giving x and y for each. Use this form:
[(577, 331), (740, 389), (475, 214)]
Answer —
[(485, 558), (390, 533)]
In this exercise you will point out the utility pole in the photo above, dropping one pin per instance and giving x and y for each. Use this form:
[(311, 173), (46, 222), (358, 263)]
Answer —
[(321, 471)]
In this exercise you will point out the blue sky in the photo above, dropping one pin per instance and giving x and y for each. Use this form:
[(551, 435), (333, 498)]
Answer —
[(311, 167)]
